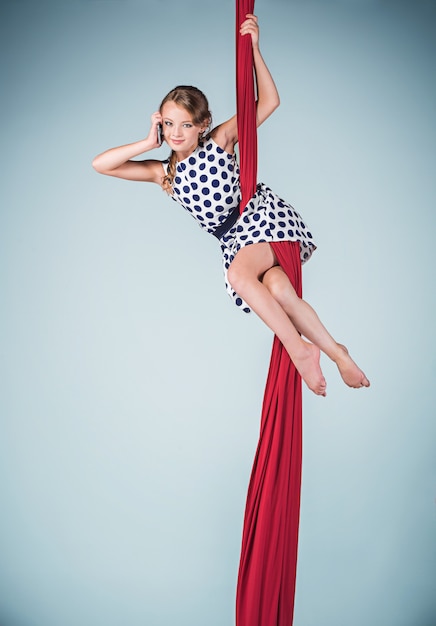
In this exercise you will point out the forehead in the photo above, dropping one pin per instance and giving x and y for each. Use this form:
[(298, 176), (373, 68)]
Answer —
[(173, 111)]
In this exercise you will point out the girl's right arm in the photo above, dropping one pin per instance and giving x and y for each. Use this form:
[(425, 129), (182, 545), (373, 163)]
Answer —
[(117, 161)]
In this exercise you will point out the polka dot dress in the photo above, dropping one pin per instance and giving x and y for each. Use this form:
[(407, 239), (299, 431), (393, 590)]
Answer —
[(206, 184)]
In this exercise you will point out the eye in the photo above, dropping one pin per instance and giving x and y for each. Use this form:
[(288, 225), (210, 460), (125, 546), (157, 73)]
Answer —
[(187, 125), (167, 123)]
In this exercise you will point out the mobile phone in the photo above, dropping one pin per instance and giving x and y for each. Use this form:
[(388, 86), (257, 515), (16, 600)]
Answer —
[(159, 134)]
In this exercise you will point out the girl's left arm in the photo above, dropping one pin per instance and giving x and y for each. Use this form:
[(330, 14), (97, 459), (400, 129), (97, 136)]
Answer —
[(267, 95), (268, 98)]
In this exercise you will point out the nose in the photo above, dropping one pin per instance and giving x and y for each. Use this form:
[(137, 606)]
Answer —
[(177, 132)]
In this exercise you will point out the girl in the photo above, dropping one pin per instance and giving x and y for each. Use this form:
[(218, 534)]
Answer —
[(202, 175)]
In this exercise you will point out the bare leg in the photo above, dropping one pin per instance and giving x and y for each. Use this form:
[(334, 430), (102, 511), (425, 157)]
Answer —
[(244, 275), (307, 322)]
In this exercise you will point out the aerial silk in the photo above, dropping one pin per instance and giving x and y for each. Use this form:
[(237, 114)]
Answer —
[(245, 106), (268, 563)]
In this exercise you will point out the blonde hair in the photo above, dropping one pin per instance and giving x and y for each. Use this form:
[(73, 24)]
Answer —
[(195, 102)]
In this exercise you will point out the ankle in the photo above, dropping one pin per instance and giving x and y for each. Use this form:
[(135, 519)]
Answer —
[(340, 353), (303, 350)]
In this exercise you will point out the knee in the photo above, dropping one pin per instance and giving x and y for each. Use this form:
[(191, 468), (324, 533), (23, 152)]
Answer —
[(237, 277), (279, 286), (242, 276), (273, 281)]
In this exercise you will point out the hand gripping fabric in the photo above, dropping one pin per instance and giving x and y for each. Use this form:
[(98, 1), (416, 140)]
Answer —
[(267, 568)]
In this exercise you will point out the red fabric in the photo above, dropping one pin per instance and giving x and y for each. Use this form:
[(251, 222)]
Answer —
[(267, 569), (245, 106)]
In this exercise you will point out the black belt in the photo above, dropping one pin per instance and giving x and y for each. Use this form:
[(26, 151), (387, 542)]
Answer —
[(225, 226)]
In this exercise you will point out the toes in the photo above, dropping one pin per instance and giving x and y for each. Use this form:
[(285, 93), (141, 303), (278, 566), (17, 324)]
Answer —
[(322, 389), (363, 383), (318, 389)]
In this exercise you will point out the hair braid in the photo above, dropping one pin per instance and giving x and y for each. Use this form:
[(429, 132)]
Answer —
[(167, 180)]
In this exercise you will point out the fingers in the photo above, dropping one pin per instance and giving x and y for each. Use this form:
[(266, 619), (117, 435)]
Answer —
[(156, 118), (154, 135), (250, 26), (250, 21)]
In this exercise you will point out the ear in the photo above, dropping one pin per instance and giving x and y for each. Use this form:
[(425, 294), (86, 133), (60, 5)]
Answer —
[(206, 124)]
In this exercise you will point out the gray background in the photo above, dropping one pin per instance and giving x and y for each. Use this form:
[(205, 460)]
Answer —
[(131, 387)]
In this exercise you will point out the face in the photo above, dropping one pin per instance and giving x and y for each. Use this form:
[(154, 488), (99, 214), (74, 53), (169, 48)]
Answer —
[(178, 129)]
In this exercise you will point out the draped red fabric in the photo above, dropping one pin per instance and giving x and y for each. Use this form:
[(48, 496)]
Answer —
[(245, 106), (267, 569)]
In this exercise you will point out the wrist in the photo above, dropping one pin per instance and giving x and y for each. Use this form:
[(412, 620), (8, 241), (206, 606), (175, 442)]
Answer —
[(144, 145)]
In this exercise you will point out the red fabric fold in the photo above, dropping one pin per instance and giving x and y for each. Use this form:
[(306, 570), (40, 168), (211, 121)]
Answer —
[(245, 106), (267, 570)]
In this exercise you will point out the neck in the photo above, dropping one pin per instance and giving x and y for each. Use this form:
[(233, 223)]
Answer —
[(181, 156)]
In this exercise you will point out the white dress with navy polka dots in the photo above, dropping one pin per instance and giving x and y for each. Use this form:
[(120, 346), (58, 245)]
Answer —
[(206, 184)]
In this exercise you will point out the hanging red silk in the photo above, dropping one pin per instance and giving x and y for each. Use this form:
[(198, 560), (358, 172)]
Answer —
[(267, 569), (245, 106)]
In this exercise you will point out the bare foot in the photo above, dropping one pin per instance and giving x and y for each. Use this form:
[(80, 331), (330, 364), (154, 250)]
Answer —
[(351, 374), (308, 366)]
